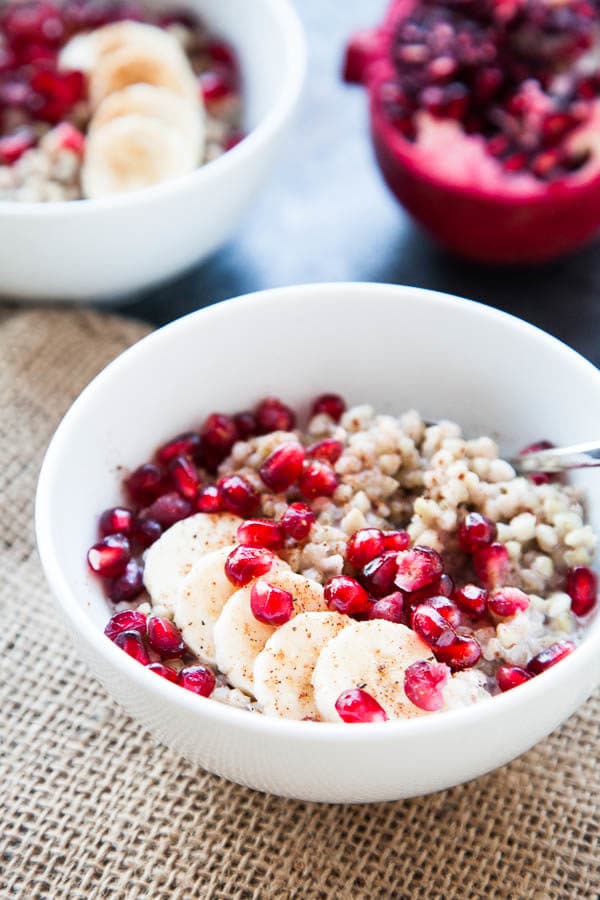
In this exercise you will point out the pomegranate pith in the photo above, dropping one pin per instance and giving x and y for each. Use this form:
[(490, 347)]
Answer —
[(356, 706)]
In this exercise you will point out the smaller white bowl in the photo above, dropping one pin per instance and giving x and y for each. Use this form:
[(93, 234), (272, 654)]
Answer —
[(394, 347), (107, 249)]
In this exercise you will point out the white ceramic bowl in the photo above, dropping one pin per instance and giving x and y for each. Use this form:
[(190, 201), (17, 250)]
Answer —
[(396, 347), (106, 249)]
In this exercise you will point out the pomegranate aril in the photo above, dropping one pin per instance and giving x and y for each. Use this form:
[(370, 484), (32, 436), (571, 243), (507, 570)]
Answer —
[(145, 483), (70, 138), (390, 608), (507, 602), (550, 656), (55, 93), (297, 521), (216, 84), (364, 545), (328, 450), (271, 604), (32, 22), (446, 608), (129, 585), (430, 625), (219, 433), (537, 447), (417, 568), (165, 637), (261, 533), (471, 599), (109, 557), (273, 415), (146, 531), (162, 670), (423, 682), (476, 531), (463, 653), (582, 588), (396, 540), (356, 706), (443, 587), (184, 476), (116, 520), (378, 575), (245, 423), (283, 467), (491, 564), (210, 500), (331, 405), (345, 595), (128, 620), (13, 146), (317, 480), (187, 444), (168, 509), (197, 679), (238, 495), (131, 642), (244, 564), (508, 677), (221, 52)]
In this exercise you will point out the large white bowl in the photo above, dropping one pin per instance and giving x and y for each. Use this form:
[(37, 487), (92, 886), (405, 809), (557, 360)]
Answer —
[(396, 347), (106, 249)]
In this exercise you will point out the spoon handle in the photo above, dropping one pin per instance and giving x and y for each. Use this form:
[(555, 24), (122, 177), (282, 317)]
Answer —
[(559, 459)]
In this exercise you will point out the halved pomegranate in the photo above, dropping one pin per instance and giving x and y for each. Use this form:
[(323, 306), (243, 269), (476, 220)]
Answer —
[(485, 118)]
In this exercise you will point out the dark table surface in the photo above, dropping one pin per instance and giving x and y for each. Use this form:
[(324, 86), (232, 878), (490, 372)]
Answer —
[(325, 215)]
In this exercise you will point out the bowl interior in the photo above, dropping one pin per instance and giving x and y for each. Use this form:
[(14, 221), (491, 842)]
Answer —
[(394, 347)]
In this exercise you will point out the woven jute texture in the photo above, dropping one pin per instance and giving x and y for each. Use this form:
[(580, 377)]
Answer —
[(92, 807)]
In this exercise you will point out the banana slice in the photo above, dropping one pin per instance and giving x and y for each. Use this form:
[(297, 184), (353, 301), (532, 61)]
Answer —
[(170, 559), (158, 103), (79, 53), (373, 655), (132, 153), (117, 35), (239, 637), (283, 670)]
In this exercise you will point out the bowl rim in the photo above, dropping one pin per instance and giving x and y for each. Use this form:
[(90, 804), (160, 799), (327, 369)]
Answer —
[(282, 11), (584, 656)]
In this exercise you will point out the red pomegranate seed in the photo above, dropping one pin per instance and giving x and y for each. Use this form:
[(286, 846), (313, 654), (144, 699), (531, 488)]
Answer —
[(396, 540), (537, 447), (146, 531), (117, 519), (197, 679), (476, 531), (13, 146), (129, 585), (216, 84), (56, 92), (432, 627), (508, 677), (297, 521), (329, 450), (273, 415), (244, 564), (331, 405), (238, 495), (188, 444), (582, 588), (283, 467), (219, 433), (145, 483), (417, 568), (471, 599), (261, 533), (70, 138), (132, 643), (222, 52), (245, 423), (345, 595), (32, 22), (109, 557), (423, 682), (168, 509), (271, 604), (184, 475), (507, 602), (550, 656), (128, 620), (378, 575), (162, 670), (446, 608), (210, 500), (363, 546), (165, 637), (317, 480), (356, 706), (390, 608), (463, 653), (491, 564)]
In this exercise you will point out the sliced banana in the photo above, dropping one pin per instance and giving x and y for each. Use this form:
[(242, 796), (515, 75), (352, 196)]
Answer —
[(170, 559), (239, 637), (158, 103), (283, 670), (117, 35), (79, 53), (373, 655)]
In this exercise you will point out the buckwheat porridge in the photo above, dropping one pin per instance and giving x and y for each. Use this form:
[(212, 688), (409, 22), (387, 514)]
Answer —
[(100, 97), (363, 568)]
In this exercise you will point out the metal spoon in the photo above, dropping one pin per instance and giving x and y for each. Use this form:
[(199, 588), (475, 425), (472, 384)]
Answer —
[(558, 459)]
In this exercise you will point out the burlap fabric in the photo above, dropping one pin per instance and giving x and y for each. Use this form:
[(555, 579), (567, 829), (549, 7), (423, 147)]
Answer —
[(91, 807)]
